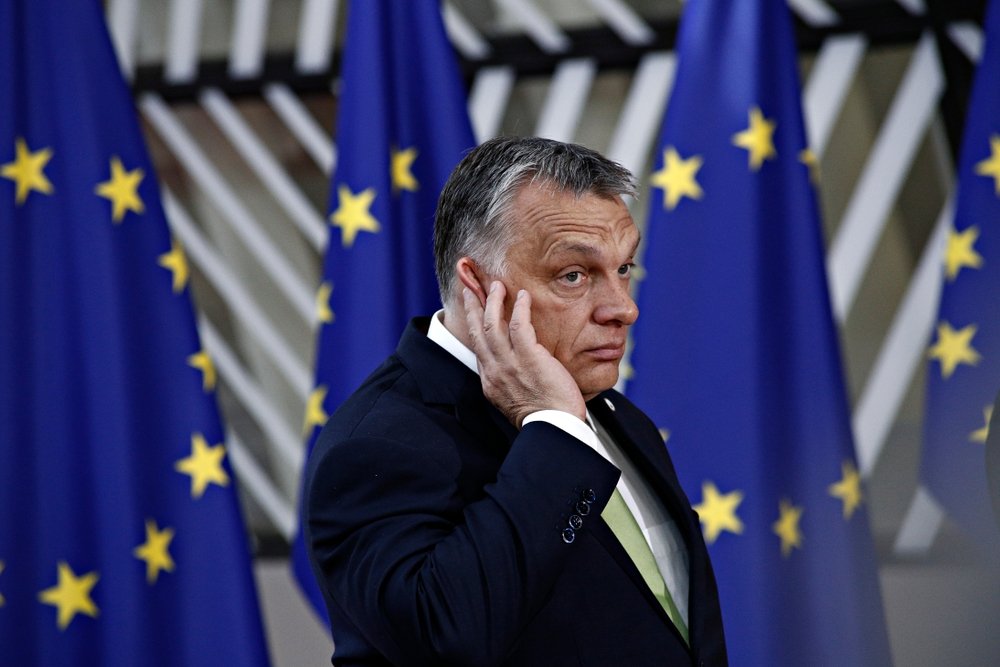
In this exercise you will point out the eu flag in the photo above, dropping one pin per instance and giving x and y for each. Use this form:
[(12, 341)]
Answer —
[(121, 541), (963, 374), (402, 126), (736, 355)]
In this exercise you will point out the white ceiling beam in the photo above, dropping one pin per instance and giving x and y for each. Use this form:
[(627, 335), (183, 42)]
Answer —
[(243, 305), (463, 35), (488, 100), (624, 20), (543, 30), (207, 177), (249, 39), (816, 13), (969, 38), (317, 23), (882, 177), (254, 480), (903, 350), (314, 139), (183, 41), (123, 22), (286, 439), (269, 171), (829, 83), (642, 114)]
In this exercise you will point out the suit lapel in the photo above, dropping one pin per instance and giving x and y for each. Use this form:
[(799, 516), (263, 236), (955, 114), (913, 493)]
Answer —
[(648, 454), (446, 383)]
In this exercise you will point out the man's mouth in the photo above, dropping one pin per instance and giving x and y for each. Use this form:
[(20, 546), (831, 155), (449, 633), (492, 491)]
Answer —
[(609, 352)]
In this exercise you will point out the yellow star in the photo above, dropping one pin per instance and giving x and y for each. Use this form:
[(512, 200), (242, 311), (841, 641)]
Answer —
[(203, 362), (352, 215), (787, 527), (122, 190), (155, 551), (848, 489), (323, 312), (316, 414), (176, 262), (71, 596), (757, 139), (960, 251), (991, 165), (677, 178), (717, 511), (27, 170), (1, 596), (402, 174), (204, 465), (953, 348), (809, 159), (980, 434)]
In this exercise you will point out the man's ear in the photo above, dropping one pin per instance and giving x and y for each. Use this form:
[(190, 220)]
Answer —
[(473, 277)]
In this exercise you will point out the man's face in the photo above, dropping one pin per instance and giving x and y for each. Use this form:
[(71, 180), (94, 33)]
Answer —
[(574, 256)]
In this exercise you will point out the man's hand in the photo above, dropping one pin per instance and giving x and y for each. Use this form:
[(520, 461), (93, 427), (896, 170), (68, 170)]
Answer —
[(519, 375)]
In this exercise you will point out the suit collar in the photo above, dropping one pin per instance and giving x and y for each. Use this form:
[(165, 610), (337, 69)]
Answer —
[(442, 378), (445, 381)]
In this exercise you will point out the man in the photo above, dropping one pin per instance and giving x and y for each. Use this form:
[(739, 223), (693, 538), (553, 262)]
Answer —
[(485, 498)]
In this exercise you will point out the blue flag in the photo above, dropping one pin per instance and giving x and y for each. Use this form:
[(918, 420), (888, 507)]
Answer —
[(736, 354), (403, 125), (121, 541), (963, 375)]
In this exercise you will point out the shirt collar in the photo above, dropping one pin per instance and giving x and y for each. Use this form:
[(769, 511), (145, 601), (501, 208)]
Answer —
[(438, 333)]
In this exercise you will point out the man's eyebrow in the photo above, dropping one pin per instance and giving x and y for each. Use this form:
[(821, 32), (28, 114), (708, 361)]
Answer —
[(574, 247), (586, 249)]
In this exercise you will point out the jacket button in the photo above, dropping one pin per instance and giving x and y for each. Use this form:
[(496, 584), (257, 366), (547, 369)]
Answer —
[(583, 508), (568, 535), (589, 495), (575, 522)]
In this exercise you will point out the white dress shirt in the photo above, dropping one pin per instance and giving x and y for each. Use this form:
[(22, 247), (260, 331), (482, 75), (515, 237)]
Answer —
[(657, 527)]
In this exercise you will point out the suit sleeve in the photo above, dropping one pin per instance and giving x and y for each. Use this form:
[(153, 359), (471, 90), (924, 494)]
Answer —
[(430, 578)]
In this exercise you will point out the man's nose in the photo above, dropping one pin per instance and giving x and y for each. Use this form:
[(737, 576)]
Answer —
[(616, 304)]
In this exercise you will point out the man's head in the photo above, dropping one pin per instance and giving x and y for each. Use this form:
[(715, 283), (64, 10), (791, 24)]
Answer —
[(546, 217)]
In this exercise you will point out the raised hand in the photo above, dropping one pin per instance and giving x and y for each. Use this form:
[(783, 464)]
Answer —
[(519, 375)]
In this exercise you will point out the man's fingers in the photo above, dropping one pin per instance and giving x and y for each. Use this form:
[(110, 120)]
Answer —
[(474, 320), (495, 334), (522, 333)]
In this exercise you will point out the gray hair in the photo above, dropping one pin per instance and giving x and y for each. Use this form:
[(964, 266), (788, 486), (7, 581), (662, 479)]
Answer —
[(472, 218)]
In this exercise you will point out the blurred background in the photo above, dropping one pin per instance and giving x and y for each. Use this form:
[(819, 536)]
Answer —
[(239, 100)]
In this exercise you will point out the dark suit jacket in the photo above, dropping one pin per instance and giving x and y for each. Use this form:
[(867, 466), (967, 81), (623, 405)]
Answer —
[(438, 532)]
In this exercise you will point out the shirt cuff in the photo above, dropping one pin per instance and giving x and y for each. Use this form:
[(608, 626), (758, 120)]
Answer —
[(571, 424)]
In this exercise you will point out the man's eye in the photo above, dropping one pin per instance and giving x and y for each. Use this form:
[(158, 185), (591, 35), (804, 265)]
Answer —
[(625, 270), (572, 277)]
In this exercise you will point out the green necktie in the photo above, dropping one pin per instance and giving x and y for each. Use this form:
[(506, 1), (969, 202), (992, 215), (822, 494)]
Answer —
[(623, 524)]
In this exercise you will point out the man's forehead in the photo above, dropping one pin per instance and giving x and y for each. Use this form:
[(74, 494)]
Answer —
[(592, 240)]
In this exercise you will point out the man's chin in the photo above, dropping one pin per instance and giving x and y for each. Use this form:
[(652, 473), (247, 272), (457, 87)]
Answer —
[(597, 380)]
